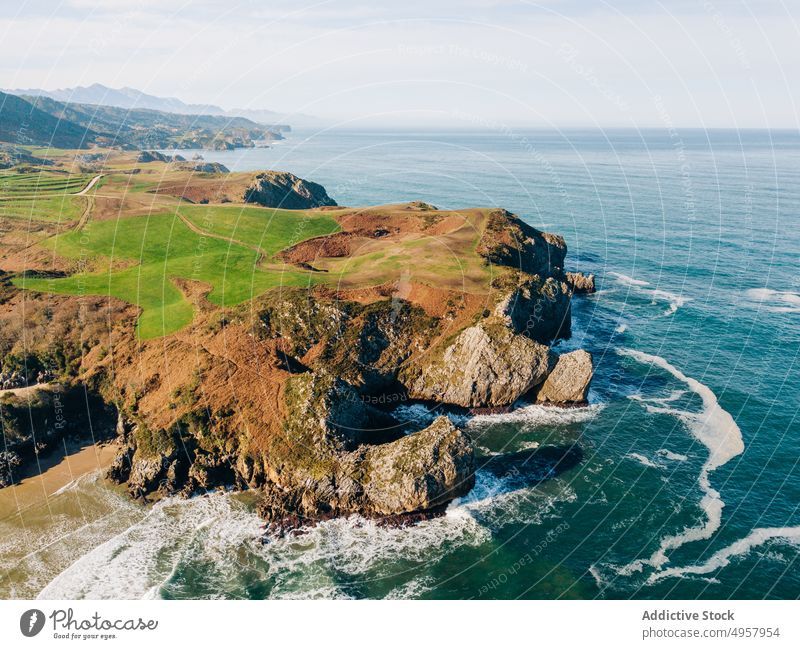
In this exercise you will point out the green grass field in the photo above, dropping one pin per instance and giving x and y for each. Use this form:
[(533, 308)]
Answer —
[(50, 208), (41, 183), (270, 230), (163, 248)]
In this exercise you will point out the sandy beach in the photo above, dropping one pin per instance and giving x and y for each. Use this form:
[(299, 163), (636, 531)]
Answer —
[(58, 470)]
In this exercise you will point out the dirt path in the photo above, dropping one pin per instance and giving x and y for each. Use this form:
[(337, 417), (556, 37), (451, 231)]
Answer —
[(87, 212), (91, 184), (203, 233), (26, 391)]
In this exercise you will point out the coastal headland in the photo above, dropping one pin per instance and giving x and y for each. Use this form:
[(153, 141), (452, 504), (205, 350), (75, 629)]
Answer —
[(241, 330)]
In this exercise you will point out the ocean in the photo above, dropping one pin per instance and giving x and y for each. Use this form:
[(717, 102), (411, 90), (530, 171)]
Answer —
[(686, 481)]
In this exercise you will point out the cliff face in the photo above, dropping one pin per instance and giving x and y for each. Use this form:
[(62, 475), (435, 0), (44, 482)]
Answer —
[(488, 365)]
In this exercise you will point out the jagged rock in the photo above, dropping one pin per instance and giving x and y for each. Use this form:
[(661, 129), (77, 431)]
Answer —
[(580, 283), (324, 408), (417, 472), (153, 156), (282, 189), (120, 469), (8, 462), (488, 365), (568, 382), (202, 167), (148, 473), (539, 310), (420, 471), (509, 241)]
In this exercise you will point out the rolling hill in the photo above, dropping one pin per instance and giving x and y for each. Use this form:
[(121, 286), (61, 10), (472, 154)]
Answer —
[(23, 123), (132, 98), (47, 122)]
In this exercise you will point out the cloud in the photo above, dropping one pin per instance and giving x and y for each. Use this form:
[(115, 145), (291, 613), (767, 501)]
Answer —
[(562, 62)]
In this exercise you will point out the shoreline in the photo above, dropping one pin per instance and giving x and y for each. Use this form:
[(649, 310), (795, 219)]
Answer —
[(58, 471)]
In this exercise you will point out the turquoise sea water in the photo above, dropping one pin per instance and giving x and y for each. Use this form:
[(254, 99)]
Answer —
[(685, 480)]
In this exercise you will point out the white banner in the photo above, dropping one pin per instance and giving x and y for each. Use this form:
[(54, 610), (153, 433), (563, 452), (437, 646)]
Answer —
[(373, 624)]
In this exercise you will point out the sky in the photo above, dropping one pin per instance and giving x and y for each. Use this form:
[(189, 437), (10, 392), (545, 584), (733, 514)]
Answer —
[(459, 63)]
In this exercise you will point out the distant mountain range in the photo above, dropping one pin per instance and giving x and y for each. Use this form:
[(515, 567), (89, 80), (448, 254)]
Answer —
[(134, 99), (43, 121)]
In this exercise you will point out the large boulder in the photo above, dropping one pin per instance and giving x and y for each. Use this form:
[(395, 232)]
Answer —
[(420, 471), (282, 189), (415, 473), (488, 365), (569, 381)]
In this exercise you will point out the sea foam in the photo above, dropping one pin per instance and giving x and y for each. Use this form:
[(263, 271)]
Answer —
[(766, 299), (674, 300), (722, 558), (716, 429), (526, 416)]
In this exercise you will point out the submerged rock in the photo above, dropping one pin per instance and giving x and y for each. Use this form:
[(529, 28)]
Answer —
[(568, 383), (282, 189)]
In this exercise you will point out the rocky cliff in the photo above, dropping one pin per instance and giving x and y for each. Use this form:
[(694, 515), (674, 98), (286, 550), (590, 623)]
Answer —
[(282, 189), (331, 365), (292, 393)]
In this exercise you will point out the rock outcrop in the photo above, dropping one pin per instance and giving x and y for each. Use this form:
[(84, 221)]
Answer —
[(285, 190), (155, 156), (509, 241), (568, 382), (203, 167), (419, 471), (580, 283), (488, 365), (538, 309), (415, 473)]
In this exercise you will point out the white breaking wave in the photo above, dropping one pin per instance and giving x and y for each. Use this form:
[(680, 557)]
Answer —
[(529, 416), (670, 455), (536, 415), (674, 300), (716, 429), (138, 561), (723, 557), (767, 299), (629, 281), (641, 459)]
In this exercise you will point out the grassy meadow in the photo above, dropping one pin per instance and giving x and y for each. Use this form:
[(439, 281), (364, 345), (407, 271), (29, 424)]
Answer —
[(157, 250)]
